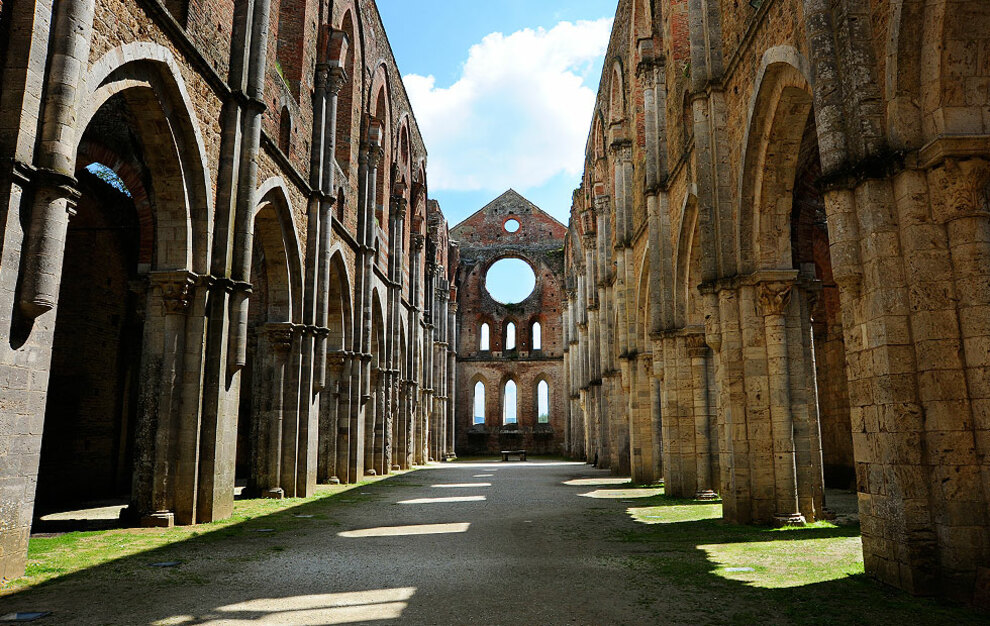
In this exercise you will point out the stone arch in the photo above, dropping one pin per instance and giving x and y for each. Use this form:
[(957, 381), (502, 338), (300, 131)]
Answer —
[(346, 56), (137, 91), (276, 277), (150, 78), (779, 113), (688, 239), (644, 299), (374, 443), (339, 318), (380, 112), (617, 94)]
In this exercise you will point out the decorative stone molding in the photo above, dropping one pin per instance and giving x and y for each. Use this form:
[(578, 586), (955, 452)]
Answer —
[(280, 336), (336, 79), (176, 288), (697, 346), (773, 298)]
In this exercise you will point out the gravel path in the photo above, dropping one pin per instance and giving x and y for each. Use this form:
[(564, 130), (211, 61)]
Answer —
[(479, 543)]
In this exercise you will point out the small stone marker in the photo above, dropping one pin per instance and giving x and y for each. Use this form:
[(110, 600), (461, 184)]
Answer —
[(739, 569), (304, 516), (166, 564), (29, 616), (261, 530)]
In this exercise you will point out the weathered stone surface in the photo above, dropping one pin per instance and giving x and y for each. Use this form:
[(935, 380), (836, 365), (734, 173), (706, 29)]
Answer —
[(220, 300), (807, 191)]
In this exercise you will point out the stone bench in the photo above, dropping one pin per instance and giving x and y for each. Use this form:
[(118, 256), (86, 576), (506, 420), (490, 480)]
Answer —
[(507, 453)]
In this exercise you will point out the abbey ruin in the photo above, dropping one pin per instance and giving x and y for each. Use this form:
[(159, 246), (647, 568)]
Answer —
[(221, 266)]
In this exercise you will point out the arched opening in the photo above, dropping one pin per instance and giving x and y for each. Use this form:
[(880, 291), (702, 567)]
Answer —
[(810, 255), (374, 434), (88, 442), (783, 242), (267, 404), (334, 405), (484, 343), (509, 403), (479, 403), (125, 292), (543, 402), (345, 99), (385, 168), (510, 336), (536, 336), (289, 43)]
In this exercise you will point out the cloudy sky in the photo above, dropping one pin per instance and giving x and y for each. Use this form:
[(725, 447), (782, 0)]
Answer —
[(503, 92)]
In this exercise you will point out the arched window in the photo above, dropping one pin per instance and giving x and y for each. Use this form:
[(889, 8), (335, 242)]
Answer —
[(479, 403), (543, 402), (510, 336), (509, 401), (537, 336), (485, 338)]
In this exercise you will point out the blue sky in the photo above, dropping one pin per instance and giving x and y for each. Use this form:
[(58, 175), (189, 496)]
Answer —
[(503, 92)]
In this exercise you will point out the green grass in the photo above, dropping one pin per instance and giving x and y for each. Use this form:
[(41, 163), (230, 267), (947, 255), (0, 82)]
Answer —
[(50, 558), (808, 575)]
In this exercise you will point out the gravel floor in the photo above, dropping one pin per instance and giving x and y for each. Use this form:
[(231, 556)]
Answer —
[(480, 543)]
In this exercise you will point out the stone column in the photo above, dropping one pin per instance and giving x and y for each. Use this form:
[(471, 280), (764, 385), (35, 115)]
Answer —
[(773, 301), (175, 291), (247, 182), (55, 193), (697, 351), (279, 338), (334, 81)]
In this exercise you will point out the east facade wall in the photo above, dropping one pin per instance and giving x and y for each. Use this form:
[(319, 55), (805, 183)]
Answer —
[(482, 240)]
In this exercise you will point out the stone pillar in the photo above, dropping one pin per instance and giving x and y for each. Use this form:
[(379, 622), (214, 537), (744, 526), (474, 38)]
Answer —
[(174, 290), (774, 300), (55, 193), (697, 351), (279, 338)]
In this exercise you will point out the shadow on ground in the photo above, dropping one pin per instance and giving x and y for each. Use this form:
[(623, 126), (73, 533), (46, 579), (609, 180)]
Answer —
[(732, 573), (681, 567)]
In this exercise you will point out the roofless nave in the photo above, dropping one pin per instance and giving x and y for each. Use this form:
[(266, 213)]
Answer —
[(776, 275)]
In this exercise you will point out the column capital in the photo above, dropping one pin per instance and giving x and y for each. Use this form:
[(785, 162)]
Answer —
[(621, 149), (336, 77), (697, 347), (280, 335), (398, 207), (773, 297), (176, 288)]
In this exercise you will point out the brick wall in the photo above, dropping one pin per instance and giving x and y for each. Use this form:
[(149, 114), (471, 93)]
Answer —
[(482, 241)]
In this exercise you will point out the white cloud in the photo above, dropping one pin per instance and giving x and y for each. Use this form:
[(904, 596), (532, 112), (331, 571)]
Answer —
[(520, 112)]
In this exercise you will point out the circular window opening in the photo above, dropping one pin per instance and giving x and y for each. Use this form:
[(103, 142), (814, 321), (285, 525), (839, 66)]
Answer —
[(510, 281), (511, 225)]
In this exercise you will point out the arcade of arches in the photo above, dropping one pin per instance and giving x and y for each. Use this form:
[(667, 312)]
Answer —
[(220, 263), (220, 266), (778, 270)]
